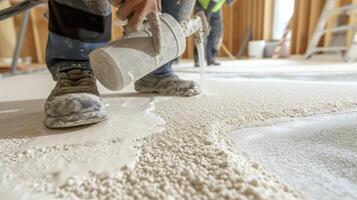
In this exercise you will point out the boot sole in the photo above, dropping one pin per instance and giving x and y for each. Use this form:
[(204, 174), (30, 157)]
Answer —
[(75, 120), (147, 90)]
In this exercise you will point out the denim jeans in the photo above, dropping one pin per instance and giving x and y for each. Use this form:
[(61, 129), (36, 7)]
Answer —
[(213, 41), (78, 27)]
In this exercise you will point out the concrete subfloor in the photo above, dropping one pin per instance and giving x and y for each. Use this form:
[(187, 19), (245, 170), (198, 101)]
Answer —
[(166, 147)]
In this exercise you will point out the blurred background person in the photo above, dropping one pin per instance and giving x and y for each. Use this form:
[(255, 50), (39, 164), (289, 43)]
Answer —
[(213, 12)]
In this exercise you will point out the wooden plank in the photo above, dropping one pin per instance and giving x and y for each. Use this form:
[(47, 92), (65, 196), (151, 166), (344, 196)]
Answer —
[(352, 21), (226, 24), (36, 37), (251, 5), (253, 18), (303, 24), (226, 50), (294, 28), (269, 8), (244, 44), (246, 15), (231, 33), (7, 34), (260, 20), (235, 28), (243, 16), (42, 26), (315, 12), (28, 49), (330, 24)]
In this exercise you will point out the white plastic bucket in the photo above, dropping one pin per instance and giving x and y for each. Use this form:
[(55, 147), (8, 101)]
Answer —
[(256, 49)]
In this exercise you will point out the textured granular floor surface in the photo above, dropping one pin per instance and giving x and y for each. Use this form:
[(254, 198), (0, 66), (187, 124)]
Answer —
[(315, 154), (193, 158)]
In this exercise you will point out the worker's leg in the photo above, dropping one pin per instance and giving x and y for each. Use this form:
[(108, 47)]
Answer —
[(76, 28), (214, 38), (164, 80)]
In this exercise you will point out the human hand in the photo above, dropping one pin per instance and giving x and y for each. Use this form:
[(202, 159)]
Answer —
[(135, 11)]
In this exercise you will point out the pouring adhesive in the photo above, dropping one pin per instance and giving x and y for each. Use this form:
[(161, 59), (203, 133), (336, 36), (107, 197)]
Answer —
[(133, 56)]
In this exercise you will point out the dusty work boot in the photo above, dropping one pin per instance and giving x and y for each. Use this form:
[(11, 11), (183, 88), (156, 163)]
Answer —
[(167, 85), (75, 100)]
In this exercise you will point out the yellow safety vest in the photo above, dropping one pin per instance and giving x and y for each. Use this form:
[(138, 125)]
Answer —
[(216, 8)]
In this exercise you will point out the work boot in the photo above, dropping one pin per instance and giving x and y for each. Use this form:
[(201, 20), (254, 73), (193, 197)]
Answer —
[(75, 100), (167, 85)]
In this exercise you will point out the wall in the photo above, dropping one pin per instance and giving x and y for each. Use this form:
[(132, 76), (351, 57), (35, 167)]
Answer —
[(237, 18), (7, 34)]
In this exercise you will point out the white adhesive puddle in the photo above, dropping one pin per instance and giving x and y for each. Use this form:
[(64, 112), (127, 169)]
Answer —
[(60, 154), (316, 154)]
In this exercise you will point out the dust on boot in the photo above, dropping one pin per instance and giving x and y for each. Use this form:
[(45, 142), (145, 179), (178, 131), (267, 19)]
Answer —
[(167, 85), (75, 100)]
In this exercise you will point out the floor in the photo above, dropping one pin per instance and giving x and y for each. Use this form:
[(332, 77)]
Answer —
[(315, 154), (156, 147)]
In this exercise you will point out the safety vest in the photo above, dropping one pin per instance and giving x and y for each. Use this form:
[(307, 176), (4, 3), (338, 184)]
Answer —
[(216, 8)]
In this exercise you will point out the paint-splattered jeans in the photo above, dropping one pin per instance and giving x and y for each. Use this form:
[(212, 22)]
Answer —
[(77, 27)]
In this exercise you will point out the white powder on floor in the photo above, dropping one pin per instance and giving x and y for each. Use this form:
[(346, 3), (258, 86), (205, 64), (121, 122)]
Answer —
[(192, 158)]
